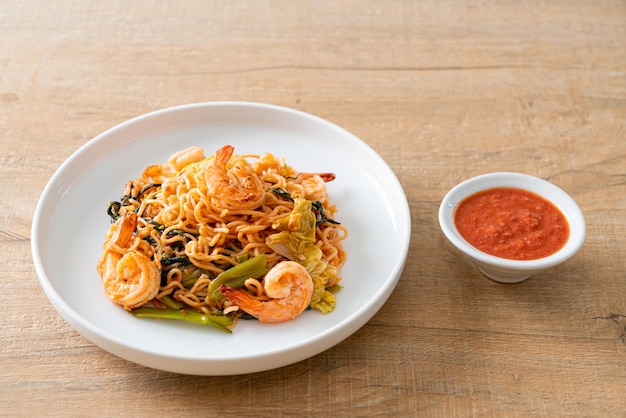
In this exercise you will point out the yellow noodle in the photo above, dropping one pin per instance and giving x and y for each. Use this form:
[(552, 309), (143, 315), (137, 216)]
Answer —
[(180, 219)]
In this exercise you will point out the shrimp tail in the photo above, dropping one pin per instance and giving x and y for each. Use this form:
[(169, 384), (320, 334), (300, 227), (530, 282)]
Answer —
[(223, 154), (327, 176), (244, 300), (125, 229)]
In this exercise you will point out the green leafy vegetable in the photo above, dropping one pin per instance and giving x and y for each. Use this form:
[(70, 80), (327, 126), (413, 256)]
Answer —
[(113, 210), (282, 193), (147, 187), (320, 216), (316, 207), (168, 261)]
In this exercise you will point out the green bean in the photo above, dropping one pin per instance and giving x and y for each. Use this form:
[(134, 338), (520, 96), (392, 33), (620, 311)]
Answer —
[(237, 275), (216, 320)]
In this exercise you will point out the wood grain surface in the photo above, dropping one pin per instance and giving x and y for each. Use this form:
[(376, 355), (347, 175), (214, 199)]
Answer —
[(443, 90)]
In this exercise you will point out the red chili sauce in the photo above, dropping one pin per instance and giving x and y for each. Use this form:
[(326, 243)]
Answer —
[(511, 223)]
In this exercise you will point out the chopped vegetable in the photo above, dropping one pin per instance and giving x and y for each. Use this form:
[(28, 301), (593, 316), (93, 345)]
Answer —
[(236, 276), (320, 216), (296, 241), (216, 320), (282, 193), (147, 187), (171, 303), (316, 206), (167, 261), (190, 275)]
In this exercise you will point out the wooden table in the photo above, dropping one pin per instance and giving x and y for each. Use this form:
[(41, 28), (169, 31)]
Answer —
[(443, 91)]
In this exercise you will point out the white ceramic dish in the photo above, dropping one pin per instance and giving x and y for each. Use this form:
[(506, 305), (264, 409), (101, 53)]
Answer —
[(501, 269), (70, 222)]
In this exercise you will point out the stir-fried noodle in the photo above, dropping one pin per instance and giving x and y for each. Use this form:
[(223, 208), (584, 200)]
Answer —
[(182, 224)]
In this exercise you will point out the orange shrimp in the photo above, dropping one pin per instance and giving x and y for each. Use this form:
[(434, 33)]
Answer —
[(129, 277), (174, 164), (289, 285), (236, 186), (314, 185)]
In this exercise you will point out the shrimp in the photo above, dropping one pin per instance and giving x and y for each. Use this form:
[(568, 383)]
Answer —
[(174, 164), (129, 277), (289, 285), (234, 187), (314, 185)]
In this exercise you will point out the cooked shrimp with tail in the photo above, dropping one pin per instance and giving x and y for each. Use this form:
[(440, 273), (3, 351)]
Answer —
[(130, 278), (174, 164), (314, 185), (288, 284), (233, 185)]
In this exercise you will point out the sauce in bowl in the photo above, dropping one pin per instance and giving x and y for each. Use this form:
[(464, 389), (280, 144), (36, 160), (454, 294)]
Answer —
[(511, 223)]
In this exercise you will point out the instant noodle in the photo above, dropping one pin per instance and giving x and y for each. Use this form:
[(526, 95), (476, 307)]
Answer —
[(194, 239)]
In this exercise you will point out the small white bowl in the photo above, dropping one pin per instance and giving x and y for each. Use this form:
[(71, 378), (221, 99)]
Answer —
[(501, 269)]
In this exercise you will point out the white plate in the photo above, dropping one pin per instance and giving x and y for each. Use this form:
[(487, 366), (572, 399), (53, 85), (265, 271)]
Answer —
[(70, 222)]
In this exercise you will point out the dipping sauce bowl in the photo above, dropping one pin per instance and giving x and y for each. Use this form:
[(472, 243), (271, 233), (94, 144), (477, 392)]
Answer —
[(506, 270)]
